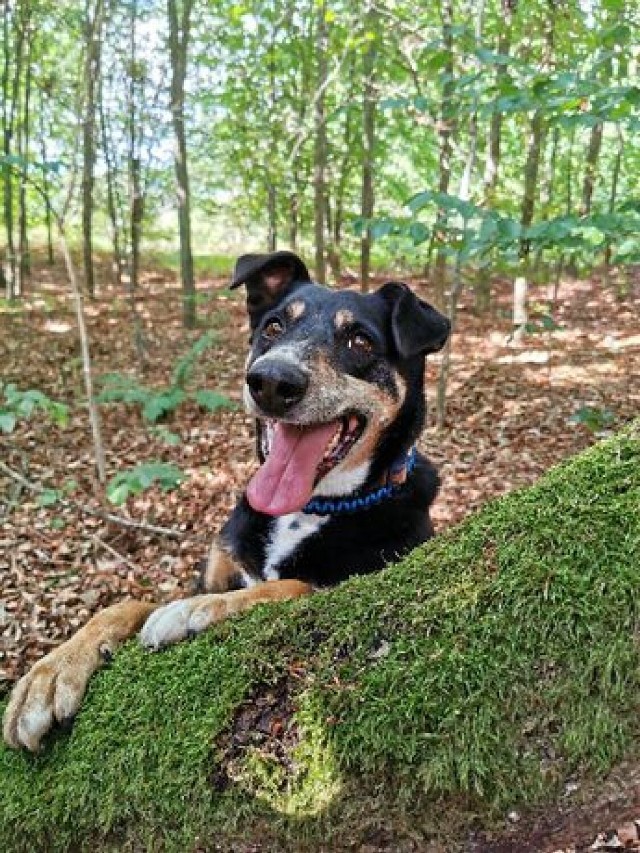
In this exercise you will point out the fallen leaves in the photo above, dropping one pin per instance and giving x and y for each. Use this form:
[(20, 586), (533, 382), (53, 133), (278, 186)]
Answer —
[(508, 419)]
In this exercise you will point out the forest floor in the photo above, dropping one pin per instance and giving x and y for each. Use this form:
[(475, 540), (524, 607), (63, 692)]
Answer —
[(513, 411)]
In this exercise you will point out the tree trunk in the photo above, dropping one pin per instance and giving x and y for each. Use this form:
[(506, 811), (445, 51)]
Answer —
[(136, 191), (112, 208), (13, 42), (531, 171), (46, 190), (272, 227), (591, 167), (482, 289), (368, 143), (179, 30), (613, 195), (320, 145), (457, 284), (94, 10), (446, 127), (549, 186), (136, 196), (294, 213), (23, 150)]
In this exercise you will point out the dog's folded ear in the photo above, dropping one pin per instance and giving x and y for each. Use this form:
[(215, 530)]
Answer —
[(268, 277), (416, 326)]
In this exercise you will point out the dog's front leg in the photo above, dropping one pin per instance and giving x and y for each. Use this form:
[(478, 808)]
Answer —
[(186, 618), (51, 692)]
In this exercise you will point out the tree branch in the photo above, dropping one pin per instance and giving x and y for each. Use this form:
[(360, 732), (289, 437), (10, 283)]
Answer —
[(97, 513)]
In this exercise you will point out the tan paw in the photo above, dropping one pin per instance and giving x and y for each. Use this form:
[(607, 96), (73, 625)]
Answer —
[(50, 693), (182, 620)]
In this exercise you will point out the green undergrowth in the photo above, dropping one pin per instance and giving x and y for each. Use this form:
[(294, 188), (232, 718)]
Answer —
[(476, 676)]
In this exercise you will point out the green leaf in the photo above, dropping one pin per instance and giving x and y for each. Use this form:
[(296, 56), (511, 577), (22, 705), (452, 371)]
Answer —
[(7, 422), (418, 232), (212, 400), (185, 364), (162, 403), (141, 477), (118, 493), (49, 497), (593, 418), (490, 57), (394, 103), (381, 228), (22, 405)]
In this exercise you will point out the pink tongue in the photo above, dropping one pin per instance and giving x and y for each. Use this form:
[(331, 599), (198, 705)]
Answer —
[(285, 481)]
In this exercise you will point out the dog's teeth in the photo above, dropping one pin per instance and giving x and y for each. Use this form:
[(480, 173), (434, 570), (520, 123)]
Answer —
[(353, 424)]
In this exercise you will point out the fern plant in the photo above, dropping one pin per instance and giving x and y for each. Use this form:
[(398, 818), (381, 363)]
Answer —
[(136, 480), (156, 404), (17, 405)]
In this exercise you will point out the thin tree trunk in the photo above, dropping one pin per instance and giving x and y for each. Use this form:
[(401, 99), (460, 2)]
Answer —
[(112, 209), (446, 128), (23, 148), (613, 195), (45, 180), (272, 220), (549, 186), (531, 171), (92, 32), (458, 281), (94, 414), (591, 167), (136, 191), (136, 198), (368, 143), (482, 289), (10, 92), (179, 30), (294, 213), (445, 364), (320, 145)]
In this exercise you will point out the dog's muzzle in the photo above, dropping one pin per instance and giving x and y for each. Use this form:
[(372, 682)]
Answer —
[(276, 386)]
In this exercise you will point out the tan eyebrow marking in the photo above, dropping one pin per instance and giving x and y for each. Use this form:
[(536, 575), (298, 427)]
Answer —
[(343, 318), (296, 309)]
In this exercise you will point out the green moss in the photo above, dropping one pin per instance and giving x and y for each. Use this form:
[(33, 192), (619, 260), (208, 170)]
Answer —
[(475, 676)]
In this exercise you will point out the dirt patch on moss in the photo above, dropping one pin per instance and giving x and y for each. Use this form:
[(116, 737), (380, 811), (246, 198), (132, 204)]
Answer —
[(265, 724)]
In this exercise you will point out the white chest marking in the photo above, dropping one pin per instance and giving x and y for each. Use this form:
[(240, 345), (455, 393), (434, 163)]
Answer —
[(338, 482), (288, 532)]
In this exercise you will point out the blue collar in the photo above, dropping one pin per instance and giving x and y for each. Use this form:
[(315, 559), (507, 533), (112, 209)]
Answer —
[(395, 480)]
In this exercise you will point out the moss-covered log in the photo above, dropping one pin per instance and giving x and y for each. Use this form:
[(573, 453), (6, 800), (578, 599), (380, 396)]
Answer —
[(477, 675)]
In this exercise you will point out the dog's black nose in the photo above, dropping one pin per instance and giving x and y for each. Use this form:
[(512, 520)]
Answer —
[(277, 386)]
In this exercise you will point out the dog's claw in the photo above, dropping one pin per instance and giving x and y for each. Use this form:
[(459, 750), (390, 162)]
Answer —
[(66, 723), (106, 654)]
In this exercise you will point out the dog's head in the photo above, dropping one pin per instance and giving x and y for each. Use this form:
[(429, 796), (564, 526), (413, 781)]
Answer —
[(335, 379)]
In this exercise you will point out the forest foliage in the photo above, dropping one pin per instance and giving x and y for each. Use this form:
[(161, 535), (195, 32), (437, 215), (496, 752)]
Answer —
[(478, 131)]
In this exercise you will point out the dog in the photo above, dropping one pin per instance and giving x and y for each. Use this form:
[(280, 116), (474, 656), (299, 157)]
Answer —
[(335, 381)]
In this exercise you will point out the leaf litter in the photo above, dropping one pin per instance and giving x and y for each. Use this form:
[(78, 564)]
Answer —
[(511, 414)]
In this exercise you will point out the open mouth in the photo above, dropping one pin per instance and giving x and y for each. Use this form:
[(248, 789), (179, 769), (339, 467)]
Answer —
[(297, 457)]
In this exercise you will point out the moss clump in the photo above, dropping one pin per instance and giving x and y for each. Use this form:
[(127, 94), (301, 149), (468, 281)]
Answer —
[(476, 675)]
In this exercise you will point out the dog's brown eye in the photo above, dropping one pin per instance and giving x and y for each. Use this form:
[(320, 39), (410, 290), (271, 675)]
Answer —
[(360, 343), (272, 330)]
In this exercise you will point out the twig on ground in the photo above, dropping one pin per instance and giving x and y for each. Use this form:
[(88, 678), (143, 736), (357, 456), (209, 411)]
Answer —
[(97, 513), (105, 545)]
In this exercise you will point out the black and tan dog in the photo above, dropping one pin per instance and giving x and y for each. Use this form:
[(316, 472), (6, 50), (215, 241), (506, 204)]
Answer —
[(335, 381)]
